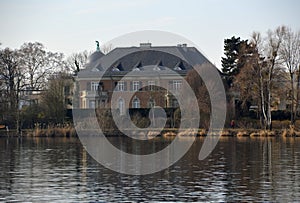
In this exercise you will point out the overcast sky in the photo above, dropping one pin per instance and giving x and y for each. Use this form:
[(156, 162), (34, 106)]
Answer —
[(73, 26)]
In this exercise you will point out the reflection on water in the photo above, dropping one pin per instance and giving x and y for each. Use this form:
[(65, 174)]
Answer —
[(59, 169)]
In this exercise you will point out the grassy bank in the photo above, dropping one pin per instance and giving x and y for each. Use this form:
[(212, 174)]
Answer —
[(70, 131), (240, 132), (53, 132)]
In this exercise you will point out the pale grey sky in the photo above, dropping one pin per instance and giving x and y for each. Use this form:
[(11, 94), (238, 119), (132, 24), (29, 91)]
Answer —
[(73, 26)]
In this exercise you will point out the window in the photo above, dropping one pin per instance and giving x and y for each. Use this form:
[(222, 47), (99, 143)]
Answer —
[(120, 86), (136, 85), (177, 84), (151, 85), (94, 86), (179, 66), (116, 69), (121, 106), (156, 68), (151, 103), (92, 104), (175, 103), (101, 86), (95, 70), (136, 103), (67, 90)]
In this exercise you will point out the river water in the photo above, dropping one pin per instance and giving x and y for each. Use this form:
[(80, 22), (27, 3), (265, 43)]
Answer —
[(239, 169)]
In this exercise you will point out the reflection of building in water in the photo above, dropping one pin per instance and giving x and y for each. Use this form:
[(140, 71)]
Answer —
[(150, 67)]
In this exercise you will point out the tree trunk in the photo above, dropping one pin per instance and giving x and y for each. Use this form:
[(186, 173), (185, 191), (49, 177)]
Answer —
[(269, 116), (297, 93), (292, 100), (262, 98)]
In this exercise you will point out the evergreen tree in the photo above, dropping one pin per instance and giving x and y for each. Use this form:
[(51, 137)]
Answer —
[(230, 61)]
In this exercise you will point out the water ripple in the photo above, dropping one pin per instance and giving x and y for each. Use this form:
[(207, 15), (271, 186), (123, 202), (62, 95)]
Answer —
[(60, 170)]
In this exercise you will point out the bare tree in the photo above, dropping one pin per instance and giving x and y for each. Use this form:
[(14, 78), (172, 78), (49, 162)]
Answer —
[(290, 54), (38, 64), (54, 98), (261, 72), (106, 48), (201, 92), (76, 61), (259, 64), (272, 65), (13, 76)]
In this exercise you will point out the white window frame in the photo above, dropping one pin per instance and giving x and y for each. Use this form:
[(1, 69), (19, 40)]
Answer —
[(92, 104), (121, 106), (121, 86), (151, 85), (177, 84), (94, 86), (136, 104), (151, 103), (135, 85)]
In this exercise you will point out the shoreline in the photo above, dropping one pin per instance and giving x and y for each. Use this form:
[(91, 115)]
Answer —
[(169, 132)]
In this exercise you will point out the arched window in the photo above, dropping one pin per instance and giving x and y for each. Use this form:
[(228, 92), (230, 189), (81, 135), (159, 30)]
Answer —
[(121, 106), (151, 103), (136, 103)]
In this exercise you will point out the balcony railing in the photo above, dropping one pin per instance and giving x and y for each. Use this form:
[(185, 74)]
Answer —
[(90, 93)]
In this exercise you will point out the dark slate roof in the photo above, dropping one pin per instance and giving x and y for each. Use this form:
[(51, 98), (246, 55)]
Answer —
[(123, 60), (140, 59), (92, 59)]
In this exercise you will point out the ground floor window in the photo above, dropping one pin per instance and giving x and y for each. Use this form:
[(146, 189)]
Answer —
[(92, 104), (151, 103), (136, 103), (175, 103), (121, 106)]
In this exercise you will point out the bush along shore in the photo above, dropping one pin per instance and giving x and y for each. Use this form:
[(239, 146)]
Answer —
[(69, 131), (291, 132)]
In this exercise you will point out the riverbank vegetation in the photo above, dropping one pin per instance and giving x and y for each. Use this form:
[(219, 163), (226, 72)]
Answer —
[(280, 129), (263, 75)]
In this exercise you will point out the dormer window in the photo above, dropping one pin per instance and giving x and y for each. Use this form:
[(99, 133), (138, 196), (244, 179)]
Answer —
[(156, 68), (95, 70), (158, 65), (137, 66), (179, 66), (117, 67)]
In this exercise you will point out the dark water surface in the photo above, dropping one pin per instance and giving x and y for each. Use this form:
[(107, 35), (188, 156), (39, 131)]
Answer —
[(239, 169)]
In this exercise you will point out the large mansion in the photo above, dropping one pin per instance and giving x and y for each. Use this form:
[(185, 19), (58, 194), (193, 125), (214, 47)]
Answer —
[(150, 68)]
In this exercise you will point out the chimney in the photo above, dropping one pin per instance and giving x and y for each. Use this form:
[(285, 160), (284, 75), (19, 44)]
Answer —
[(145, 45)]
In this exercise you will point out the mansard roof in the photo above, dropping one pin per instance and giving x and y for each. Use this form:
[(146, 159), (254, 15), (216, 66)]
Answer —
[(122, 60)]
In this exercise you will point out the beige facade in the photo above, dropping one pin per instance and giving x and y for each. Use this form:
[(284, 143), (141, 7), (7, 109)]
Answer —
[(147, 92), (155, 73)]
